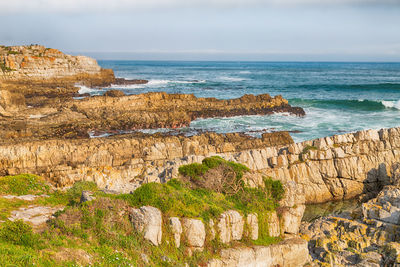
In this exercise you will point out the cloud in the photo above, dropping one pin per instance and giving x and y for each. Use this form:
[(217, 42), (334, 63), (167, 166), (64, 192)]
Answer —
[(80, 6)]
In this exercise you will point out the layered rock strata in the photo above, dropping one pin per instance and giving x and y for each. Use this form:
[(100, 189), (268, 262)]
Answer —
[(122, 162), (331, 168), (40, 73), (115, 112)]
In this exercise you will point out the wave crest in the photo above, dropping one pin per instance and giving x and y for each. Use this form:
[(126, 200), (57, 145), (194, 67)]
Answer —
[(360, 104)]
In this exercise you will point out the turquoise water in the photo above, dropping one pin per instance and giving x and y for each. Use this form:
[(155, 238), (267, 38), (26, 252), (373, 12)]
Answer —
[(337, 97)]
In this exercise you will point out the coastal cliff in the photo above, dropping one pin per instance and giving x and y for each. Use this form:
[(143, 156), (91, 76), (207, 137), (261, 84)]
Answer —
[(38, 72), (331, 168)]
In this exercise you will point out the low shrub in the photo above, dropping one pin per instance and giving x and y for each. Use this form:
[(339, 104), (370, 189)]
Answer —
[(216, 174), (18, 233)]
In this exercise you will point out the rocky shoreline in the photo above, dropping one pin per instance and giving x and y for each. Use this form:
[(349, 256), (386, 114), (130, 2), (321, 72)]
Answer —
[(45, 131)]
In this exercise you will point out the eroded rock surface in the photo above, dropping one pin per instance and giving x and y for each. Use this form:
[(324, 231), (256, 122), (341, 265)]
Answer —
[(368, 236), (148, 220), (194, 232), (35, 215), (114, 112), (230, 226)]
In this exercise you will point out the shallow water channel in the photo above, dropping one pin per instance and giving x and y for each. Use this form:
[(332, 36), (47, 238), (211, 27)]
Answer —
[(333, 208)]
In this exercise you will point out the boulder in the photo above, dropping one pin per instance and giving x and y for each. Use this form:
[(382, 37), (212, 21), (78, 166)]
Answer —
[(176, 229), (230, 226), (148, 220), (273, 224), (194, 232), (252, 224)]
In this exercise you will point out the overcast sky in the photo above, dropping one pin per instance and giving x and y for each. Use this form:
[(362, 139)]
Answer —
[(305, 30)]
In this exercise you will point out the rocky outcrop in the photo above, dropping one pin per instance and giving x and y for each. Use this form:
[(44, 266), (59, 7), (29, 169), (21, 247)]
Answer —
[(114, 112), (122, 163), (39, 62), (252, 222), (114, 93), (148, 221), (194, 234), (331, 168), (162, 110), (369, 236), (33, 214), (230, 226), (41, 73)]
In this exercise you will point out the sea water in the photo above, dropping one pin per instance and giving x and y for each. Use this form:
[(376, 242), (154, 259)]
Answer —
[(337, 97)]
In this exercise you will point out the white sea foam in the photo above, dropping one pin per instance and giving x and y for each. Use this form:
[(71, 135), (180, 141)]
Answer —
[(391, 104), (156, 83), (93, 135), (231, 79), (85, 90)]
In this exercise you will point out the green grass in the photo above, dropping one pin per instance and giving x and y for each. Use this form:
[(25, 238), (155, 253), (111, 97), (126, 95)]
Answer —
[(23, 184), (18, 233)]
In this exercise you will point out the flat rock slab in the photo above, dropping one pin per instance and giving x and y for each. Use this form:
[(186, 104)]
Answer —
[(24, 197), (35, 215)]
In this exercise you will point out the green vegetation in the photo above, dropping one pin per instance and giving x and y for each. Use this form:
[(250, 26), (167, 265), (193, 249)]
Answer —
[(18, 233), (23, 184), (99, 233)]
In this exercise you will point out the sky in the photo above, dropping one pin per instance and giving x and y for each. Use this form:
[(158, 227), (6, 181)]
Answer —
[(265, 30)]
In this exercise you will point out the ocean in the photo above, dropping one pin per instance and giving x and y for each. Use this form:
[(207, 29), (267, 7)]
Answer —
[(337, 97)]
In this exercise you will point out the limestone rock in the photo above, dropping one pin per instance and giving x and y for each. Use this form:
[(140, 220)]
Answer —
[(252, 224), (24, 197), (194, 232), (385, 207), (148, 220), (230, 226), (273, 225), (212, 231), (291, 219), (33, 214), (291, 252), (176, 228)]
